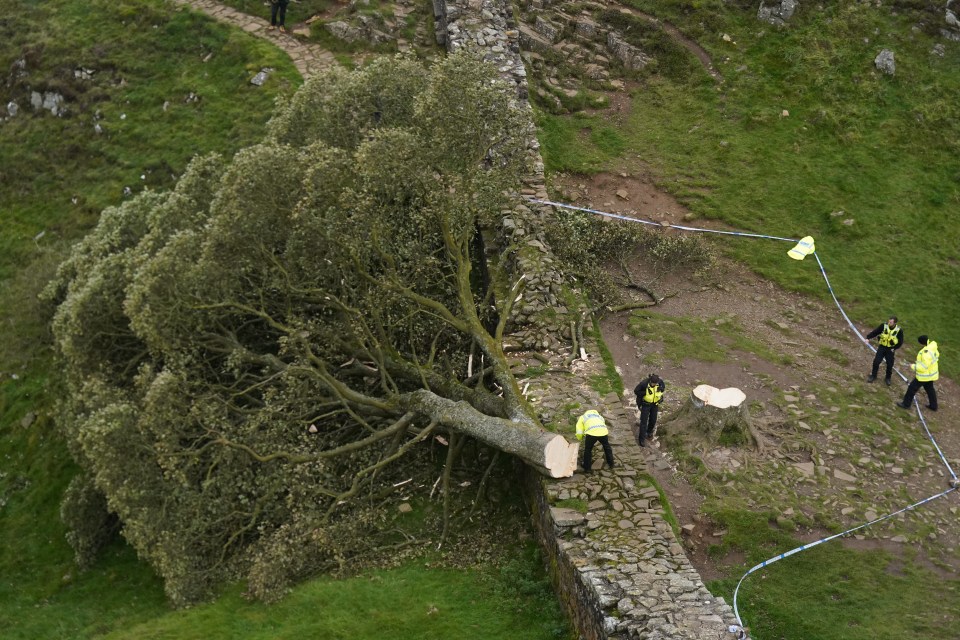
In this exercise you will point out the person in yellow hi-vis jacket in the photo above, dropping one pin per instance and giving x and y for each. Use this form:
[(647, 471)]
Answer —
[(592, 428), (926, 370)]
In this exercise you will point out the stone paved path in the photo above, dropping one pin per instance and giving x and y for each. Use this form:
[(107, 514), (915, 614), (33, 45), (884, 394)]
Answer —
[(626, 568), (309, 58)]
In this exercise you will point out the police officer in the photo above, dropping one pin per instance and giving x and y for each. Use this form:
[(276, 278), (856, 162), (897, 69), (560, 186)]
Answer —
[(592, 427), (649, 398), (891, 337), (926, 370)]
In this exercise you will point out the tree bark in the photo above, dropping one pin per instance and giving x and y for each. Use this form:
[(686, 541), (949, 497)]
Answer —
[(712, 414), (547, 452)]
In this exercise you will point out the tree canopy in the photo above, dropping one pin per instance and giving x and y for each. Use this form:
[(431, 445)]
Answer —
[(248, 355)]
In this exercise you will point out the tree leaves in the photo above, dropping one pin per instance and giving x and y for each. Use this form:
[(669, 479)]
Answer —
[(242, 353)]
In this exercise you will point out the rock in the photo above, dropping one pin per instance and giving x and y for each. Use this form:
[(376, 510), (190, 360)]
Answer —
[(585, 27), (938, 50), (404, 507), (530, 40), (777, 13), (343, 31), (13, 108), (623, 194), (885, 62), (549, 31), (28, 420), (631, 57), (261, 77), (846, 477), (564, 517), (806, 468)]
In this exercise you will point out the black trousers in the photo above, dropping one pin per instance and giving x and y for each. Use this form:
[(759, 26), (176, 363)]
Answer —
[(588, 442), (883, 353), (278, 9), (648, 420), (915, 386)]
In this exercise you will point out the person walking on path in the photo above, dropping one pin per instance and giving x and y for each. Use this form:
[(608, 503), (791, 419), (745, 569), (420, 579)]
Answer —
[(890, 339), (926, 371), (278, 14), (592, 428), (649, 398)]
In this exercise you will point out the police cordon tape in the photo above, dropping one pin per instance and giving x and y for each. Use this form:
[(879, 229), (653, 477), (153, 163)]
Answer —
[(805, 246)]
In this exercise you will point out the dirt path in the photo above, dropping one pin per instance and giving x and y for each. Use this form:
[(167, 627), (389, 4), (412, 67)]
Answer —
[(308, 58)]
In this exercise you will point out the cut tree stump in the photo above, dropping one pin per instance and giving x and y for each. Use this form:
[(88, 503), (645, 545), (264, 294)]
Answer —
[(712, 414)]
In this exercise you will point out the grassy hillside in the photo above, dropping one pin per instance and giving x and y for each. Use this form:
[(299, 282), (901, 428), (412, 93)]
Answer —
[(165, 85), (802, 135)]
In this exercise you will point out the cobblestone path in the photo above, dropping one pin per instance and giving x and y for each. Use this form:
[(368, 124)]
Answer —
[(309, 58)]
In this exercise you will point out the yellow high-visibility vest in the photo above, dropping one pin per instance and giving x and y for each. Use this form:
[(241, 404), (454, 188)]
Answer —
[(889, 336), (592, 424), (927, 368), (803, 248), (653, 395)]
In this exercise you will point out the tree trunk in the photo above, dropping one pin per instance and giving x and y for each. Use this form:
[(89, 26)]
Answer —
[(547, 452), (717, 416)]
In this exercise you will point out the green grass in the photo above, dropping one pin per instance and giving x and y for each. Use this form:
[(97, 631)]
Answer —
[(580, 143), (833, 593), (577, 504), (413, 601), (705, 339), (610, 381), (57, 174), (668, 514)]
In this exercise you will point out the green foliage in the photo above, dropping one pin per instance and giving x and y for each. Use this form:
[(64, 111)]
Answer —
[(85, 513), (589, 246), (240, 352)]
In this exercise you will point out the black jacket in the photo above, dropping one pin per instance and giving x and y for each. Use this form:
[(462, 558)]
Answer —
[(879, 330), (641, 389)]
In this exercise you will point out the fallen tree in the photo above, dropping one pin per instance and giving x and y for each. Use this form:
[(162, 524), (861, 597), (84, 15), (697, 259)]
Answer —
[(249, 357)]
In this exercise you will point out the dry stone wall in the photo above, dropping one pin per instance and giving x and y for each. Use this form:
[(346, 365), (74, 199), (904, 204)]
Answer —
[(616, 564)]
